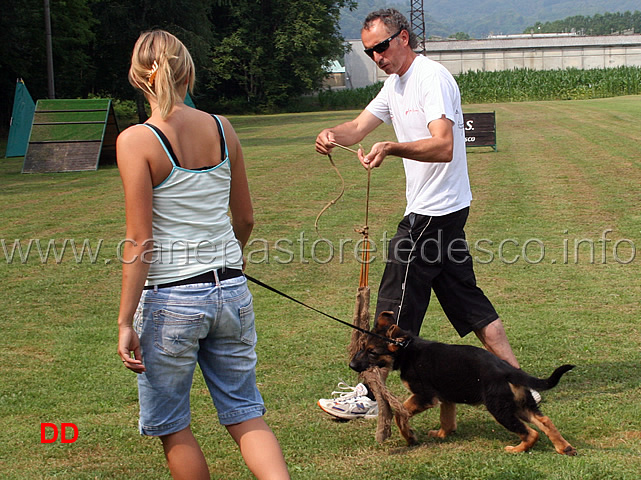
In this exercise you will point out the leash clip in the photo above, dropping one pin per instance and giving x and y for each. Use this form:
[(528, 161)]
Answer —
[(404, 343)]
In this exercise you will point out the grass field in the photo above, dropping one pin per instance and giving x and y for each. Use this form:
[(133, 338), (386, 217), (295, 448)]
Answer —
[(555, 230)]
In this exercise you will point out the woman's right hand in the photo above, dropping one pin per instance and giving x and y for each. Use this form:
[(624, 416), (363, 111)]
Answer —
[(129, 349)]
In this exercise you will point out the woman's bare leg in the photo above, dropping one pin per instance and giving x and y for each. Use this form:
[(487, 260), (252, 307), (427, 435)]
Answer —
[(260, 449), (184, 456)]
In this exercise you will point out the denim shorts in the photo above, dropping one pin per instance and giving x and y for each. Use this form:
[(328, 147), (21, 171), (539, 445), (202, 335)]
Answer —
[(204, 323)]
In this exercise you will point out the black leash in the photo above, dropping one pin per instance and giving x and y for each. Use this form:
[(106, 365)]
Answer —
[(362, 330)]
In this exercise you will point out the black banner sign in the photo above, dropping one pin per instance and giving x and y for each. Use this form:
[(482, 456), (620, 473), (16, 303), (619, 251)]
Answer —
[(480, 129)]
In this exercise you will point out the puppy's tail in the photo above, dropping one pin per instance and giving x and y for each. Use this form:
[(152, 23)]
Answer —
[(547, 383)]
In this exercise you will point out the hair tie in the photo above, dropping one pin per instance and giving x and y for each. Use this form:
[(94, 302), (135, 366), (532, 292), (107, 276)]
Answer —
[(152, 74)]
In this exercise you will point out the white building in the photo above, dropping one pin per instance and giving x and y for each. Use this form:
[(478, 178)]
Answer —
[(507, 52)]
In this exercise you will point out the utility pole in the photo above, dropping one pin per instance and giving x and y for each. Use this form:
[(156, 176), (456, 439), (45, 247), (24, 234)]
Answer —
[(417, 23), (52, 90)]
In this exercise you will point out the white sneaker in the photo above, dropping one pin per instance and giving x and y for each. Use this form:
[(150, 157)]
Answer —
[(350, 402)]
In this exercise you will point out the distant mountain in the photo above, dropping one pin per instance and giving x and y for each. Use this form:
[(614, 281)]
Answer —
[(484, 17)]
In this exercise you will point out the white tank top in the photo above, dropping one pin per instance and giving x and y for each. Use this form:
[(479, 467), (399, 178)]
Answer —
[(192, 230)]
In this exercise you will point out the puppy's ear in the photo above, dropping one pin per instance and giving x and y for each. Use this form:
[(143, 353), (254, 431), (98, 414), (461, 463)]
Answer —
[(385, 320), (394, 331)]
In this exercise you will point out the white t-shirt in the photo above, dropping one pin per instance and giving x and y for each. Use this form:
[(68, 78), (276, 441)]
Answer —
[(426, 92)]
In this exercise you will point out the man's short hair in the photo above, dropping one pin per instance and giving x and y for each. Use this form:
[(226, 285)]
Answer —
[(394, 21)]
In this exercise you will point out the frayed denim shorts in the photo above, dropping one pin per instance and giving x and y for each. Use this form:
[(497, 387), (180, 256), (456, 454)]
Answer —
[(206, 323)]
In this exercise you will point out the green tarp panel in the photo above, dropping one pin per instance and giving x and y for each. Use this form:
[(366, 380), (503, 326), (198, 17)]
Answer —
[(71, 135), (21, 118), (188, 101)]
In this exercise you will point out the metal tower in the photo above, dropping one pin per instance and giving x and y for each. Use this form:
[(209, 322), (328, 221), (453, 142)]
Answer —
[(417, 23)]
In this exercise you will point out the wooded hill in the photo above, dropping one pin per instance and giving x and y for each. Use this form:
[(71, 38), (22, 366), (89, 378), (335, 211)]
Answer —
[(483, 17)]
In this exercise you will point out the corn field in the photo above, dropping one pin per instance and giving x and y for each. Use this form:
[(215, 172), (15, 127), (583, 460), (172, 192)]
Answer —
[(532, 85), (518, 85)]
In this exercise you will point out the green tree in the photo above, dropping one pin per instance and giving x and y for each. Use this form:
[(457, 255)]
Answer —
[(17, 51), (271, 51), (261, 53), (23, 50), (598, 24), (120, 22), (460, 36), (72, 25)]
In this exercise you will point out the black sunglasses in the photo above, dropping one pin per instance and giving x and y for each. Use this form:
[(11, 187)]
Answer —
[(381, 47)]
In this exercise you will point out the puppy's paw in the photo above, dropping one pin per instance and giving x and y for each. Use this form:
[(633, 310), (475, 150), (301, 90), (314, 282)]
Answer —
[(518, 449), (412, 441), (569, 450), (437, 433), (410, 438)]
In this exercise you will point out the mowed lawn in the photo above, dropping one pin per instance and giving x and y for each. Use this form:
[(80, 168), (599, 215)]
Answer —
[(555, 231)]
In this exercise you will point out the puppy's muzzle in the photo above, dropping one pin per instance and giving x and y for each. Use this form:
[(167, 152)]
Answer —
[(359, 362)]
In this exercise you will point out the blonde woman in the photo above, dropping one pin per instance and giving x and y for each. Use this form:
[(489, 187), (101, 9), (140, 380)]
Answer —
[(184, 296)]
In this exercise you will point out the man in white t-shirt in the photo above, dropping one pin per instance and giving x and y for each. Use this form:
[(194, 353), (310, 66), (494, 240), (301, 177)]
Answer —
[(422, 101)]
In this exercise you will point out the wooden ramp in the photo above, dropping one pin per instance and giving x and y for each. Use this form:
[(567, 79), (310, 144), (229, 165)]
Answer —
[(71, 135)]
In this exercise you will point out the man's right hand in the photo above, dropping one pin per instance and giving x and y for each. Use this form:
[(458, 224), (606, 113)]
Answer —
[(324, 141)]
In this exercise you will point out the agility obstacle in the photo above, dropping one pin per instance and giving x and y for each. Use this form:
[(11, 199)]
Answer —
[(21, 119), (71, 135)]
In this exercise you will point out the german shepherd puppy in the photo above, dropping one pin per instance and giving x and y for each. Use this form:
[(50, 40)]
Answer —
[(449, 374)]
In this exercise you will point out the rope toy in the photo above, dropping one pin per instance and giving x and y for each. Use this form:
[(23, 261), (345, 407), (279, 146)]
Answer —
[(374, 377)]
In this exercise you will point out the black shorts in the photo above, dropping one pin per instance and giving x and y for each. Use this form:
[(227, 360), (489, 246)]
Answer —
[(431, 253)]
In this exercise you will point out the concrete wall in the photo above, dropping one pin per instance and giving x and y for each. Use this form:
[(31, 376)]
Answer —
[(538, 52), (360, 71)]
